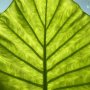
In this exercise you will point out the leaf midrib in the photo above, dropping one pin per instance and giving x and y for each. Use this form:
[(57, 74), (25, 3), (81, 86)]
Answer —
[(44, 53)]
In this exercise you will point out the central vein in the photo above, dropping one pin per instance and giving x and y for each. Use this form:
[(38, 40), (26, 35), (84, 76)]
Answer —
[(44, 50)]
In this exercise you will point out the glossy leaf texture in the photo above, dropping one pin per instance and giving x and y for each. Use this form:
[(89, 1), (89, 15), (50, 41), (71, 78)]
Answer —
[(44, 45)]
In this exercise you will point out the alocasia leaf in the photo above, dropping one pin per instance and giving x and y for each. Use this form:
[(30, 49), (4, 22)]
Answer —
[(44, 45)]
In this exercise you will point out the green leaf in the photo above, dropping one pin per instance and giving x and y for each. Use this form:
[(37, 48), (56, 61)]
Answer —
[(44, 45)]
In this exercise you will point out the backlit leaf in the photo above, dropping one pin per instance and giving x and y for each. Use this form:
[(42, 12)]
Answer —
[(44, 45)]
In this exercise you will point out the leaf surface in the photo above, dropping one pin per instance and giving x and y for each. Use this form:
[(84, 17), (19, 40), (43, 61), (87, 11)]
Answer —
[(44, 45)]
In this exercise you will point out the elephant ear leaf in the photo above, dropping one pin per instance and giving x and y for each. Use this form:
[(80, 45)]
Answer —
[(44, 45)]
